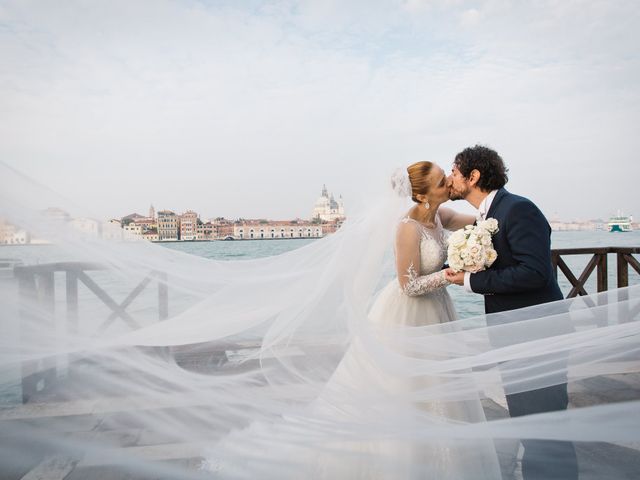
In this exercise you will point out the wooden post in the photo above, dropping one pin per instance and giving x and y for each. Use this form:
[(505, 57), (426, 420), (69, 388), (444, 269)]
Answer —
[(623, 271), (27, 292), (49, 326), (623, 281), (603, 278), (72, 301), (72, 309)]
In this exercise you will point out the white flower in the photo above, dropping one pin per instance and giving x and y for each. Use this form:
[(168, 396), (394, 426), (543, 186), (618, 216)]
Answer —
[(457, 238), (470, 248), (492, 255), (474, 268), (456, 264), (490, 225), (480, 258)]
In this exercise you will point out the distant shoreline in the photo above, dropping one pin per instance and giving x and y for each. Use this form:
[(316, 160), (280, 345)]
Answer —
[(175, 241), (235, 240), (614, 235)]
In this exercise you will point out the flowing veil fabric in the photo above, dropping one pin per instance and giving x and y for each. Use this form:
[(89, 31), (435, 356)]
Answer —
[(231, 370)]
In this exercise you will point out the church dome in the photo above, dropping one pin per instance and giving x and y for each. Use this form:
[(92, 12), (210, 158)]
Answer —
[(327, 208)]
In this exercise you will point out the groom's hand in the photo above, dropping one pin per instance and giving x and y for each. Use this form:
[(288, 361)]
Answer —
[(454, 277)]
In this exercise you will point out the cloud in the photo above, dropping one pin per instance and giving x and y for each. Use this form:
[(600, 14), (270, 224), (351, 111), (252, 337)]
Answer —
[(247, 110), (470, 17)]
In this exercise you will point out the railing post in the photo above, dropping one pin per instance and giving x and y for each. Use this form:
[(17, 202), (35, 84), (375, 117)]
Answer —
[(623, 271), (72, 301), (28, 295), (49, 304), (603, 278)]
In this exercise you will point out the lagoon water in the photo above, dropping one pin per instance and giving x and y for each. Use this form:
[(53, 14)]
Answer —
[(467, 304)]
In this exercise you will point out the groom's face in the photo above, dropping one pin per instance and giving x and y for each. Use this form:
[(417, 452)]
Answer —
[(459, 186)]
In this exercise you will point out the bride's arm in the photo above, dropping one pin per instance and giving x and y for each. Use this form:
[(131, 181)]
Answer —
[(408, 263), (452, 220)]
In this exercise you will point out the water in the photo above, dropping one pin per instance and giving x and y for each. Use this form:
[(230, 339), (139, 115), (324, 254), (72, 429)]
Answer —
[(467, 304), (239, 250)]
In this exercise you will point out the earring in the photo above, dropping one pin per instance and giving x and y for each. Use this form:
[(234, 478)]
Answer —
[(426, 205)]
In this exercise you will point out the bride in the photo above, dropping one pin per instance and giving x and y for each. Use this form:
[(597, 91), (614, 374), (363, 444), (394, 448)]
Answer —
[(417, 297)]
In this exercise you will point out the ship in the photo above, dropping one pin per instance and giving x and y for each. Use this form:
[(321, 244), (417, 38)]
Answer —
[(620, 223)]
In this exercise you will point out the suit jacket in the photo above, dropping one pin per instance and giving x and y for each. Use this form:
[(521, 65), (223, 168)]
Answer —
[(522, 275)]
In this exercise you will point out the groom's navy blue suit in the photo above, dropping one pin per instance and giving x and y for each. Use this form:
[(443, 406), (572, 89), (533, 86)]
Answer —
[(523, 276)]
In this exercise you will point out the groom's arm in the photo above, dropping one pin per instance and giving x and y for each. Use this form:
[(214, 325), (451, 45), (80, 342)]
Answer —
[(527, 233)]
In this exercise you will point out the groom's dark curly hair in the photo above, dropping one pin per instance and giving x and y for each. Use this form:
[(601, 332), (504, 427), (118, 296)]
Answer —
[(493, 172)]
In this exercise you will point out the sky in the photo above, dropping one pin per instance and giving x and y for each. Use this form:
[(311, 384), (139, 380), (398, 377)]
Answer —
[(246, 108)]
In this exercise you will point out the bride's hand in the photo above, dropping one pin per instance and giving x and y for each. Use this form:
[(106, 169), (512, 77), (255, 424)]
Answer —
[(454, 277)]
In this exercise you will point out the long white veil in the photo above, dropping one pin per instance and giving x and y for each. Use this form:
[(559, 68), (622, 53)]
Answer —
[(137, 359)]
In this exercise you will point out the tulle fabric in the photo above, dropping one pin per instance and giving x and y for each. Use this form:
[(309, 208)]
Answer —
[(237, 381)]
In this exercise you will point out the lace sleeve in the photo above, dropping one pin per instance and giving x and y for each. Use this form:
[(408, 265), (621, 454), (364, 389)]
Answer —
[(408, 263), (421, 284)]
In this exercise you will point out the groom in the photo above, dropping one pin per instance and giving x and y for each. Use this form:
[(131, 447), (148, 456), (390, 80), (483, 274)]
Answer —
[(521, 276)]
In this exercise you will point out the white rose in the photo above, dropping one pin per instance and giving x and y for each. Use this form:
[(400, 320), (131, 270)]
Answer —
[(480, 258), (472, 240), (453, 253), (456, 264), (485, 240), (457, 238), (454, 248), (475, 268), (492, 255), (469, 261), (491, 225), (483, 233)]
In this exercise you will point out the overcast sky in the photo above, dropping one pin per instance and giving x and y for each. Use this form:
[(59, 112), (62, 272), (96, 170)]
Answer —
[(246, 108)]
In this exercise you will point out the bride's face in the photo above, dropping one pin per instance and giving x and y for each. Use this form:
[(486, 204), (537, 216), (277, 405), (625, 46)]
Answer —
[(438, 186)]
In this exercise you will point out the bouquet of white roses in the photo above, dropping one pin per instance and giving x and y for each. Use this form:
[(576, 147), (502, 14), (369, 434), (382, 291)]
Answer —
[(470, 248)]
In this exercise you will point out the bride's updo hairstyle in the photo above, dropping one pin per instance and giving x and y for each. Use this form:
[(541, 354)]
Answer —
[(418, 173)]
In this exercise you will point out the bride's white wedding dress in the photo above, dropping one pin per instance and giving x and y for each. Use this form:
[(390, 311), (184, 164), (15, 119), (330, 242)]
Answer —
[(420, 299)]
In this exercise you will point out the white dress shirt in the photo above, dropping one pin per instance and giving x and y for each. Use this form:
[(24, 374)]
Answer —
[(483, 209)]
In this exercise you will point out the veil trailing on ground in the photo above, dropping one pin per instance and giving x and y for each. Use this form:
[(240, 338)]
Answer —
[(122, 356)]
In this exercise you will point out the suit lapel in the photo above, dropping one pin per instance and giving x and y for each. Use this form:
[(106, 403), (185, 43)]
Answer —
[(499, 239), (500, 194)]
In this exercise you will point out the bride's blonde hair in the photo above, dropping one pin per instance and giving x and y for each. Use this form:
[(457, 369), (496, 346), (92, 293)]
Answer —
[(418, 173)]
